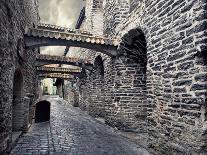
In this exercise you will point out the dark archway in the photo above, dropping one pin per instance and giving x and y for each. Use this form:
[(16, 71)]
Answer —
[(135, 45), (42, 111), (17, 105)]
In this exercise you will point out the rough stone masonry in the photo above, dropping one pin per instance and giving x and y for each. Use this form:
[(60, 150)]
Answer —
[(155, 86), (158, 82), (18, 76)]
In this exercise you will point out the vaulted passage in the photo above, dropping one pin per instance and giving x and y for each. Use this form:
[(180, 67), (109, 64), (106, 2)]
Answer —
[(42, 112), (138, 66)]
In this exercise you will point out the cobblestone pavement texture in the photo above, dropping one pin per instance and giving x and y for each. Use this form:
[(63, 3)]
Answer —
[(73, 132)]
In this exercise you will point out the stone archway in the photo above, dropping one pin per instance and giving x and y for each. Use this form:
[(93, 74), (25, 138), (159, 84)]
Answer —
[(17, 105), (97, 105), (135, 46), (129, 99), (42, 111)]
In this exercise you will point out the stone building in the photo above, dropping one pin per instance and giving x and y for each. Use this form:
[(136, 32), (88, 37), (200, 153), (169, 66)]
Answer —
[(156, 85), (18, 76)]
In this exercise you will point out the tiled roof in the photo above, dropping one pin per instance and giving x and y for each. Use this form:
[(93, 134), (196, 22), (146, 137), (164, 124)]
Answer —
[(57, 32), (58, 69), (55, 75), (61, 29), (62, 58)]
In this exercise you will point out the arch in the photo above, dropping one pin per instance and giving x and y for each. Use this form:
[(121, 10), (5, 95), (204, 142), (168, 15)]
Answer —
[(134, 44), (136, 47), (17, 105), (40, 41), (42, 111), (97, 96), (42, 60), (130, 78)]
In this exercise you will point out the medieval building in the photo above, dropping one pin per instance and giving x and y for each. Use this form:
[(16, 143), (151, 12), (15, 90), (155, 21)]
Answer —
[(156, 84), (141, 67)]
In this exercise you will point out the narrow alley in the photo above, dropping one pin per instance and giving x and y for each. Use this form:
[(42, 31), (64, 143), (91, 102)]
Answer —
[(71, 131), (103, 77)]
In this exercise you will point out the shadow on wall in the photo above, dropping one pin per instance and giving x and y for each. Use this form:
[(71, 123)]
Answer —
[(42, 111), (17, 106)]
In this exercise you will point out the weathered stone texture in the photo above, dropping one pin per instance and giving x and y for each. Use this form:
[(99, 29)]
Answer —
[(94, 14), (71, 94), (14, 17), (168, 97), (171, 30), (114, 13)]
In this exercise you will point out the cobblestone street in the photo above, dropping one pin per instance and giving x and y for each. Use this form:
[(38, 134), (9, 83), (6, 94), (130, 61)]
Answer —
[(72, 132)]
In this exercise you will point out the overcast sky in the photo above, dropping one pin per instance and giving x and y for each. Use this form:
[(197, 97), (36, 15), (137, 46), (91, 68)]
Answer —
[(59, 12)]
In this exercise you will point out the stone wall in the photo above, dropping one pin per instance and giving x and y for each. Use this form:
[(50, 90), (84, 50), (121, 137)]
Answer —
[(14, 17), (96, 107), (163, 92), (175, 38), (94, 17), (114, 12), (71, 94), (88, 84), (134, 4), (17, 105)]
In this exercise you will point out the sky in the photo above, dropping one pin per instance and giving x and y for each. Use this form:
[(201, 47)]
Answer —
[(59, 12)]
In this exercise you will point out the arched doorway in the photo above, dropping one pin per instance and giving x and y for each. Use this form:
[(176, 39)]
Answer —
[(17, 105), (42, 111)]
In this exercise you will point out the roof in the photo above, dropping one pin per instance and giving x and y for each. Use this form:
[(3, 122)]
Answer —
[(61, 58), (58, 69), (56, 75), (57, 32)]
